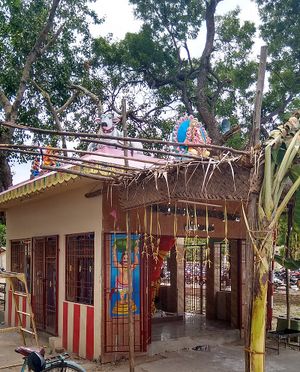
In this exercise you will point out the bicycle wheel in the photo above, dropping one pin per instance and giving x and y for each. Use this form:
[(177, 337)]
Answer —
[(64, 367)]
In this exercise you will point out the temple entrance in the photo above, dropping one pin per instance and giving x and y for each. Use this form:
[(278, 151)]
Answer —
[(45, 294), (194, 278)]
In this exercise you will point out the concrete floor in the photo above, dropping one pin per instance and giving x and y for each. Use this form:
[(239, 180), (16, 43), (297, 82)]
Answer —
[(217, 349)]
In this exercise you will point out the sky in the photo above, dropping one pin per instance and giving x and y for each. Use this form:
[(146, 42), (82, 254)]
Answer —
[(119, 19)]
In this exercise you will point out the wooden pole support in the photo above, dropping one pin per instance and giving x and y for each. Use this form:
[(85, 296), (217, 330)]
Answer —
[(129, 298)]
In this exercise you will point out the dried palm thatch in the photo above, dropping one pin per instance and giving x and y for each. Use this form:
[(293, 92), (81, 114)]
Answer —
[(223, 178)]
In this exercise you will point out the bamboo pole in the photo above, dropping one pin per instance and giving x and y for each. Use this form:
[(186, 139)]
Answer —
[(159, 152), (259, 96), (253, 219), (130, 312), (124, 122), (109, 137), (75, 161), (83, 152)]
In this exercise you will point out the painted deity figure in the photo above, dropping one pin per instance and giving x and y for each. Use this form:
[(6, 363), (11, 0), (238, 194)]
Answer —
[(189, 131), (35, 168), (48, 160), (121, 281)]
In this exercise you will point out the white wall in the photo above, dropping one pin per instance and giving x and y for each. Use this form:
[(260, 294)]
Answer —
[(60, 214)]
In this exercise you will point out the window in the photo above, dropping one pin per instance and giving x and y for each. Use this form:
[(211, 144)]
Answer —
[(80, 268), (21, 261)]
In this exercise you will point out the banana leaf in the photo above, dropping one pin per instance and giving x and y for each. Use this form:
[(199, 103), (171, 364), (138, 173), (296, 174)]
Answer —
[(287, 263), (122, 242)]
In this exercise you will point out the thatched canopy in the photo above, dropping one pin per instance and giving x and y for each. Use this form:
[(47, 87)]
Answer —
[(207, 179)]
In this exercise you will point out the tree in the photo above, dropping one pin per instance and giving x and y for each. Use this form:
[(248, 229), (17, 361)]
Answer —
[(280, 28), (38, 38), (159, 61)]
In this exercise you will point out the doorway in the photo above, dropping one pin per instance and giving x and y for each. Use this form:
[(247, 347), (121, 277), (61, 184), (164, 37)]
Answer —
[(194, 278), (45, 291)]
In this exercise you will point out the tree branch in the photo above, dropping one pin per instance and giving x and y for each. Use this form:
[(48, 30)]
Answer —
[(7, 107), (31, 58), (67, 103), (206, 112), (93, 96), (53, 112), (53, 39), (278, 111)]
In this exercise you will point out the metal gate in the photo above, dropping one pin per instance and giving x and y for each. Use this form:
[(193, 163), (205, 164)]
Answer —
[(45, 259), (116, 327), (194, 279)]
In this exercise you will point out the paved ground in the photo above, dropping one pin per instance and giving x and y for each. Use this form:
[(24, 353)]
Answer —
[(215, 358)]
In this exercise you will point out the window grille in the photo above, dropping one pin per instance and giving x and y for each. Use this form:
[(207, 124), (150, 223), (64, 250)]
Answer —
[(21, 262), (80, 268)]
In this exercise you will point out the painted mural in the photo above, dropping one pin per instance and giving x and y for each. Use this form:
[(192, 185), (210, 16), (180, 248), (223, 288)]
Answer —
[(119, 276)]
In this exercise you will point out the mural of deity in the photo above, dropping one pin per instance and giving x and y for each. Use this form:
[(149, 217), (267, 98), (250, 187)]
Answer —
[(119, 276)]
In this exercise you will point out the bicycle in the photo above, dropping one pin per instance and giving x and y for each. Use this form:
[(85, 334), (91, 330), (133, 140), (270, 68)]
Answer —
[(34, 361)]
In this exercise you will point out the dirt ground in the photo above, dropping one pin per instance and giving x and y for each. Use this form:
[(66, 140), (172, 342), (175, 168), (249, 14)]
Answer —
[(280, 305)]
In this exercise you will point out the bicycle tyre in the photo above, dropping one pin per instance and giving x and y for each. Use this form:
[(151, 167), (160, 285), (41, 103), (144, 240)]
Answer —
[(64, 366)]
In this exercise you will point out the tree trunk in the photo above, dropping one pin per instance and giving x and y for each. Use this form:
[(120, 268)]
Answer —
[(259, 307), (259, 313), (5, 171)]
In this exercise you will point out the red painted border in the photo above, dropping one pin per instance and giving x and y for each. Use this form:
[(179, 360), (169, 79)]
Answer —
[(65, 325), (76, 328), (90, 333), (9, 307)]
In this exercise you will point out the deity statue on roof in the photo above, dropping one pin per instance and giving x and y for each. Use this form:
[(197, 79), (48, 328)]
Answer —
[(48, 159), (35, 170), (189, 131)]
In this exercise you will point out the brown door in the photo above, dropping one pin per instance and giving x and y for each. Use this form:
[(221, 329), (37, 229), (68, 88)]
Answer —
[(45, 265)]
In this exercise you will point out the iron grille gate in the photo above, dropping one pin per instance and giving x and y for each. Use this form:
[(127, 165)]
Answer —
[(116, 329), (194, 279), (45, 253)]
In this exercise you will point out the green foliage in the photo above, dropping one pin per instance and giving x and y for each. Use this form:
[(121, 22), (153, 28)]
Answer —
[(280, 28), (157, 63), (2, 235), (62, 64)]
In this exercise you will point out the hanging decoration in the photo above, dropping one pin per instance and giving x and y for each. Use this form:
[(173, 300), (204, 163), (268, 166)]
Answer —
[(189, 131), (207, 249)]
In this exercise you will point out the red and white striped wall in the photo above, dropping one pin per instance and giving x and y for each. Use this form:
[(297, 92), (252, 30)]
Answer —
[(12, 315), (78, 329)]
